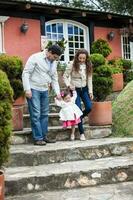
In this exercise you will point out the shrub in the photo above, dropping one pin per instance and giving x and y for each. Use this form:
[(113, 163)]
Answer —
[(102, 82), (97, 59), (101, 46), (127, 64), (128, 76), (13, 66), (6, 97)]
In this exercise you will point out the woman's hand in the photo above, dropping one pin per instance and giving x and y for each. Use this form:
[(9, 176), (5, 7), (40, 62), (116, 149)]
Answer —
[(71, 87), (91, 96)]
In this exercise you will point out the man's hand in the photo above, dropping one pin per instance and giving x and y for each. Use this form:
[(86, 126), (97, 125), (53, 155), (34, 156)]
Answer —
[(28, 94)]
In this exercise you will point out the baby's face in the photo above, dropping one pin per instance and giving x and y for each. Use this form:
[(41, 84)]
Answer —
[(67, 98)]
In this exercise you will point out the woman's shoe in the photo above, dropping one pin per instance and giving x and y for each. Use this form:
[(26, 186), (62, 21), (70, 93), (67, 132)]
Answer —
[(82, 137)]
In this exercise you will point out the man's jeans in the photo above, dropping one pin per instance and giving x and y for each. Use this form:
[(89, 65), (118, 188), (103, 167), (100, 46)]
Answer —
[(82, 93), (38, 108)]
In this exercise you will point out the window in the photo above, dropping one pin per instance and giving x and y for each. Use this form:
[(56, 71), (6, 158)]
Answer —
[(74, 33), (2, 21), (127, 47)]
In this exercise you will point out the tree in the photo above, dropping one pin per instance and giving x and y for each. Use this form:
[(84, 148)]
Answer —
[(119, 6)]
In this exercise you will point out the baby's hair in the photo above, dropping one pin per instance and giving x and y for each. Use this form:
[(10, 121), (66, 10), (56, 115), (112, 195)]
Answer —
[(65, 93)]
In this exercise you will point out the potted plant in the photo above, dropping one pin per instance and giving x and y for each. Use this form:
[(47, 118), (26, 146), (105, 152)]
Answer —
[(101, 113), (117, 74), (6, 98), (13, 66)]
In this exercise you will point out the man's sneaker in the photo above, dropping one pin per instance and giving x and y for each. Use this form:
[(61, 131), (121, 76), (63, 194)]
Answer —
[(49, 140), (72, 137), (82, 137)]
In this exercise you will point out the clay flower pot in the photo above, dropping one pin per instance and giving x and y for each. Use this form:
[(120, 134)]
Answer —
[(17, 114), (2, 185), (101, 113), (117, 82)]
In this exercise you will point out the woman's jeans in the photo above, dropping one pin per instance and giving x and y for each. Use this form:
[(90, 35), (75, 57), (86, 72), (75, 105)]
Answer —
[(38, 108), (83, 93)]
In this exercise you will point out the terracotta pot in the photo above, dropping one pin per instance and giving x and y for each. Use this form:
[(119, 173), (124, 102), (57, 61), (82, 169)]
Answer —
[(101, 113), (17, 118), (117, 82), (19, 101), (2, 185), (17, 113)]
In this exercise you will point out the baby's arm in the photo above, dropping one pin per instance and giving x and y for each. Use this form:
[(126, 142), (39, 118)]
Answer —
[(58, 102)]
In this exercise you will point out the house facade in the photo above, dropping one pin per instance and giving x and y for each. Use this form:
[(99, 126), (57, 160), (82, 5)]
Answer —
[(27, 26)]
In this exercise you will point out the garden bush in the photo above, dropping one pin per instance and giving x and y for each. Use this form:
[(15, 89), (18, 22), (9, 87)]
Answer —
[(123, 112), (13, 66), (101, 46), (6, 98)]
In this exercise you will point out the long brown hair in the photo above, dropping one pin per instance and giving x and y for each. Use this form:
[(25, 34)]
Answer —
[(88, 62)]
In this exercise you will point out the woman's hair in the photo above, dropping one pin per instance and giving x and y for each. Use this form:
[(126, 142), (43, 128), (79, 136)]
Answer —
[(65, 93), (88, 62)]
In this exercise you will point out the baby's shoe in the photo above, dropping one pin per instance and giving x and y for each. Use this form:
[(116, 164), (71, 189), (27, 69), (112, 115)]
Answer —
[(72, 137), (82, 137)]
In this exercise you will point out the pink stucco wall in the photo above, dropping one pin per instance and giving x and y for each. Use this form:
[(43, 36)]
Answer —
[(115, 44), (20, 44)]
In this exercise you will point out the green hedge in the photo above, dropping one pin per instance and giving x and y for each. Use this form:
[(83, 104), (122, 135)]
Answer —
[(6, 98), (13, 66)]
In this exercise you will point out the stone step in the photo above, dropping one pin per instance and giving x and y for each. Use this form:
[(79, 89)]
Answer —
[(30, 155), (119, 191), (74, 174), (53, 108), (53, 120), (91, 132)]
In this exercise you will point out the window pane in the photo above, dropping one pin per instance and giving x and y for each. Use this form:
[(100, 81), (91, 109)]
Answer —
[(54, 28), (81, 31), (48, 28), (54, 36), (70, 29), (49, 35), (76, 38), (60, 37), (60, 27), (71, 51), (75, 30), (81, 45), (70, 44), (81, 39), (71, 58), (76, 45), (70, 38)]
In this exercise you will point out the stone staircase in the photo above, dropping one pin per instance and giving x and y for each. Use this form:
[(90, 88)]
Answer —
[(38, 171)]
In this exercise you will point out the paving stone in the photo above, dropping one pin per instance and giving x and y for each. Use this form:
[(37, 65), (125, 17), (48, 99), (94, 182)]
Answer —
[(20, 180), (120, 191), (69, 151)]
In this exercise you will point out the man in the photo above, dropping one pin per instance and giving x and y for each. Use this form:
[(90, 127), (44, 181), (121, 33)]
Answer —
[(40, 71)]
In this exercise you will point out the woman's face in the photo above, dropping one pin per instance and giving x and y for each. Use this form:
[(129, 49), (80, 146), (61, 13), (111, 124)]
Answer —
[(82, 58)]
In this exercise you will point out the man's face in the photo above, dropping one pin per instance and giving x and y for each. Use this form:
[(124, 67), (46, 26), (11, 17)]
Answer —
[(51, 56)]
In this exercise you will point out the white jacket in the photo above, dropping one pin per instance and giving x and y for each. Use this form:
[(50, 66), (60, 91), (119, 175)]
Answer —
[(69, 110)]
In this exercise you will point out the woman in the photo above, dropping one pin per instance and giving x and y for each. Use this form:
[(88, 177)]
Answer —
[(78, 76)]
